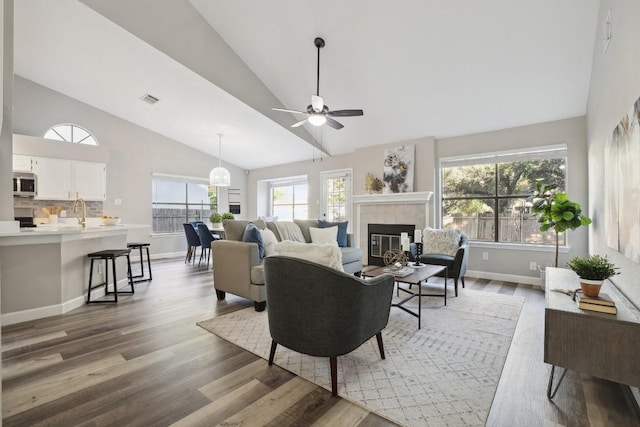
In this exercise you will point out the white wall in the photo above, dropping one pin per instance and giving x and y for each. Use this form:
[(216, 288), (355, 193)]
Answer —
[(133, 154), (615, 85), (511, 264)]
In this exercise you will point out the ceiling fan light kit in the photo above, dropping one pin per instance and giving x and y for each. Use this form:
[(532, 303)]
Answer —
[(317, 112)]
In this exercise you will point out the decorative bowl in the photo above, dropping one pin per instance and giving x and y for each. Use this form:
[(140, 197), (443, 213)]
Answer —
[(113, 220)]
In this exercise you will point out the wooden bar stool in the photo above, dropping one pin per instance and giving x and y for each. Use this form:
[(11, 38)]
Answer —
[(106, 255), (141, 277)]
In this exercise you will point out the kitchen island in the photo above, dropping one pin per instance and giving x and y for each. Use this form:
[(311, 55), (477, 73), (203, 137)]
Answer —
[(44, 271)]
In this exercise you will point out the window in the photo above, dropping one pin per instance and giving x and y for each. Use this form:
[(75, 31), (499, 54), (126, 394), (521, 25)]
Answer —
[(336, 193), (485, 196), (290, 199), (176, 200), (71, 133)]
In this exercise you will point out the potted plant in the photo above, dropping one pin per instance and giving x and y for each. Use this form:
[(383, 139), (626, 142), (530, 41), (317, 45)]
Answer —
[(592, 270), (216, 220), (555, 211), (228, 215)]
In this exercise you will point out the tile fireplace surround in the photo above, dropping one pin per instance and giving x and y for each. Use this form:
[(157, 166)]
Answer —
[(394, 208)]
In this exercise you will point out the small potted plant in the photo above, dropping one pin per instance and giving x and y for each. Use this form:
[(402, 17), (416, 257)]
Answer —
[(216, 220), (592, 270), (228, 215)]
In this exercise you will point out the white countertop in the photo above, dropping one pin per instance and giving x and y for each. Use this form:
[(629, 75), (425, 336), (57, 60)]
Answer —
[(51, 233)]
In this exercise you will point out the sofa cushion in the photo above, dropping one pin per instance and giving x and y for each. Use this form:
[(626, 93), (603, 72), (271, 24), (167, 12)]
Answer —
[(324, 235), (443, 241), (304, 225), (342, 230), (257, 274), (252, 234), (289, 230), (350, 254), (324, 254), (269, 240)]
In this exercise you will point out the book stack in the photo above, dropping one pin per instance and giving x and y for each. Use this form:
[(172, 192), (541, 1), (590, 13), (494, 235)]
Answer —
[(402, 272), (602, 303)]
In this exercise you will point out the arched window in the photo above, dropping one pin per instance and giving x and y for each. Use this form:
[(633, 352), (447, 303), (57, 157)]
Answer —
[(71, 133)]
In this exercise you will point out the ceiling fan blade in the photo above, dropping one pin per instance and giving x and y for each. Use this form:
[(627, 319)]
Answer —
[(300, 123), (345, 113), (317, 103), (334, 124), (289, 111)]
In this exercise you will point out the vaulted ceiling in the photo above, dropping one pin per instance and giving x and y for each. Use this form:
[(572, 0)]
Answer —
[(416, 67)]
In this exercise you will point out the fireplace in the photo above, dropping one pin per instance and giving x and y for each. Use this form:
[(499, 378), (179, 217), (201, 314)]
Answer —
[(383, 237)]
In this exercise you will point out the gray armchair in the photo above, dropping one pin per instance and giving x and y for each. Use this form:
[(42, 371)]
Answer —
[(322, 312), (456, 265)]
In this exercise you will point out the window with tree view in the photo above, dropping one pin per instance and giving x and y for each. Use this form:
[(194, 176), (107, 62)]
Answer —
[(485, 196)]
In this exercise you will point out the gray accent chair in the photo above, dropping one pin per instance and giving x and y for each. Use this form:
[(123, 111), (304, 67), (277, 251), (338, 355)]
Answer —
[(322, 312), (456, 265)]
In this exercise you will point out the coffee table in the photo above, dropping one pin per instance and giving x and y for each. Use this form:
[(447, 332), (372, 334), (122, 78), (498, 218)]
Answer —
[(421, 274)]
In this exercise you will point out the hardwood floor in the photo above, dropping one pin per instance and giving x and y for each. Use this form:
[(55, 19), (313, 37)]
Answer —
[(145, 362)]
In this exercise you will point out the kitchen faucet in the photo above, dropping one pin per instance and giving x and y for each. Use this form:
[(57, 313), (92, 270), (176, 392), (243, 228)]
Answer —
[(82, 221)]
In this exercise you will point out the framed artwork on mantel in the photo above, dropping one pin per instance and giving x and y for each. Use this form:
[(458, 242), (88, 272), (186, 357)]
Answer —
[(398, 169)]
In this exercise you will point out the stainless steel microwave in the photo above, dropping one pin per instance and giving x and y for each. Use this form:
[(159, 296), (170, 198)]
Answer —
[(24, 184)]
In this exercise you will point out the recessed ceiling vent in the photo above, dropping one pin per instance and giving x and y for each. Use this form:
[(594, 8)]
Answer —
[(149, 99)]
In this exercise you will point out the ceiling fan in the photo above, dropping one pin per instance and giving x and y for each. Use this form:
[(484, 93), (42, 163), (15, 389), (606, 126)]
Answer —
[(317, 112)]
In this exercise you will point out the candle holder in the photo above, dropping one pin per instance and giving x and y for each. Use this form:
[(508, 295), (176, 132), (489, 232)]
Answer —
[(418, 253)]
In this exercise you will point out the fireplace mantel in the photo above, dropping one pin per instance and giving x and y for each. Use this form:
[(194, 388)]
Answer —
[(389, 208), (376, 199)]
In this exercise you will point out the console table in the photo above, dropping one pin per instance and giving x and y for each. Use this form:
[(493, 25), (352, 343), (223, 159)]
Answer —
[(598, 344)]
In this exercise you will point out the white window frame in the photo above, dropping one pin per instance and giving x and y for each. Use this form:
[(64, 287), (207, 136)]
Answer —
[(293, 180), (54, 134), (521, 154)]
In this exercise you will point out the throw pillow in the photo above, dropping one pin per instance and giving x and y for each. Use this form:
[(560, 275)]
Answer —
[(444, 241), (323, 254), (324, 235), (252, 234), (269, 240), (342, 230)]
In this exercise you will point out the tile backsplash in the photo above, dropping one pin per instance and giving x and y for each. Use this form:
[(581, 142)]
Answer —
[(94, 209)]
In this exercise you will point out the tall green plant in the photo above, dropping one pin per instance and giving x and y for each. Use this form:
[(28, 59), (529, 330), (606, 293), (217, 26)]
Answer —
[(555, 211)]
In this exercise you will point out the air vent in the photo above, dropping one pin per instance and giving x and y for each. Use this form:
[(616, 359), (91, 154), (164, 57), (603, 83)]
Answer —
[(149, 99)]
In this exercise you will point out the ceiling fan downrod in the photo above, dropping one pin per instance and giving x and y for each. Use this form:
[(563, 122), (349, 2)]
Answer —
[(319, 43)]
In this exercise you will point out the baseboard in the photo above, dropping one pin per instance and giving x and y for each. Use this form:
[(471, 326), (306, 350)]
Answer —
[(527, 280)]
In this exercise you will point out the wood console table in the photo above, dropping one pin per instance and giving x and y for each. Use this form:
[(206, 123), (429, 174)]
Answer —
[(598, 344)]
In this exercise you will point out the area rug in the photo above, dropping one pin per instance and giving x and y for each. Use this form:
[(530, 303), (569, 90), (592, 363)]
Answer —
[(444, 374)]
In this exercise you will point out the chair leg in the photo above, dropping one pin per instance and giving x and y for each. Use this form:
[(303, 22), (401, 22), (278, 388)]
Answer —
[(188, 256), (260, 306), (462, 280), (272, 353), (333, 361), (220, 294), (380, 345), (455, 281)]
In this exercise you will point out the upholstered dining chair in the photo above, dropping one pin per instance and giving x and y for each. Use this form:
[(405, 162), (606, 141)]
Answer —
[(193, 242), (322, 312), (206, 237)]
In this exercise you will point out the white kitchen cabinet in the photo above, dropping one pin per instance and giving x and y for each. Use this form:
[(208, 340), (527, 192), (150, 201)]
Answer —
[(21, 163), (89, 180), (60, 179)]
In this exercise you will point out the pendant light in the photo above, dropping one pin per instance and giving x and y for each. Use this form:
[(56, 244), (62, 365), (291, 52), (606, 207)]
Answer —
[(219, 176)]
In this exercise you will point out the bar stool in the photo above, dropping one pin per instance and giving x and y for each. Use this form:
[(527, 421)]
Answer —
[(106, 255), (139, 245)]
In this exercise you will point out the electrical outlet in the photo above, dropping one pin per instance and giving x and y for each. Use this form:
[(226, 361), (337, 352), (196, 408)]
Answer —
[(485, 256), (533, 266)]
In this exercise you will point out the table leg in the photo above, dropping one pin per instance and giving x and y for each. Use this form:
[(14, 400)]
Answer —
[(550, 395), (446, 280), (419, 304)]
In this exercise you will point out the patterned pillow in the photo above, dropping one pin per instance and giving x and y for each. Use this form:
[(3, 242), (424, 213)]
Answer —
[(444, 241)]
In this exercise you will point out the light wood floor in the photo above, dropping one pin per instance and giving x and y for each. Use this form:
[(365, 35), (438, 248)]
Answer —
[(144, 362)]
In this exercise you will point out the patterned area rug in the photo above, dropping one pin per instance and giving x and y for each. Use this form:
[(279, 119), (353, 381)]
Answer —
[(444, 374)]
